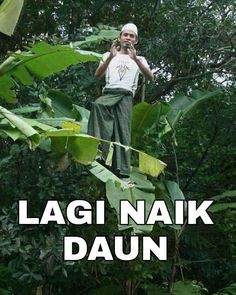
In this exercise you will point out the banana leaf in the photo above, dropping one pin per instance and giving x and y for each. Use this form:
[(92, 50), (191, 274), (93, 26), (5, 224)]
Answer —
[(10, 11), (40, 61)]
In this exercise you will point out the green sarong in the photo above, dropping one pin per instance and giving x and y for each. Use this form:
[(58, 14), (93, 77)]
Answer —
[(110, 119)]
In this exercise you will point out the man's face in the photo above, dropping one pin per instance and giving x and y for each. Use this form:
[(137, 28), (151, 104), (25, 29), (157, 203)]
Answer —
[(128, 36)]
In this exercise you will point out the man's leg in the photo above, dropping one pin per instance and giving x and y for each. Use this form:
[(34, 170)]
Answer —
[(122, 134), (100, 123)]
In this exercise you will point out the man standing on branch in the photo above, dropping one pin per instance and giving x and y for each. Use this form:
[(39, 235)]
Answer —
[(110, 117)]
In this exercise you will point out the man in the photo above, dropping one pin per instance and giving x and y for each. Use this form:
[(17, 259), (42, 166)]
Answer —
[(110, 117)]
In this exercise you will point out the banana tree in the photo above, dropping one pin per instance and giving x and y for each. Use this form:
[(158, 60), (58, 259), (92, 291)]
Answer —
[(65, 128), (165, 116)]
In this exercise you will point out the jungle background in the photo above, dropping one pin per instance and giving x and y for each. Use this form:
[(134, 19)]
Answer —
[(190, 45)]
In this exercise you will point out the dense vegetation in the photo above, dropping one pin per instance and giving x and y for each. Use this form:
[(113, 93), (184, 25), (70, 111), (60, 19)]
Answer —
[(189, 124)]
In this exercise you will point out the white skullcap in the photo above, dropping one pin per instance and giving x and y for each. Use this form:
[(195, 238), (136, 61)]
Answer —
[(130, 27)]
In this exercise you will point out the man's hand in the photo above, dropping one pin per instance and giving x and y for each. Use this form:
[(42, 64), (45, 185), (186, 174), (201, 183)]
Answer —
[(113, 50), (103, 66), (131, 51)]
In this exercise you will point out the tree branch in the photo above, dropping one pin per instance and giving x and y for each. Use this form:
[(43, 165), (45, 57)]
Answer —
[(156, 7), (203, 157), (215, 68)]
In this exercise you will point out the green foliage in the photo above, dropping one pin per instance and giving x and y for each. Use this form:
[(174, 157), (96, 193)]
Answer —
[(191, 45), (231, 290), (42, 60), (103, 174), (180, 288), (25, 129), (144, 117), (222, 207), (181, 104), (115, 193), (103, 35), (83, 148), (187, 288)]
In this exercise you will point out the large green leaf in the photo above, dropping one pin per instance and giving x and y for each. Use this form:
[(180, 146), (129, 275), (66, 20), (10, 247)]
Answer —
[(163, 116), (102, 35), (169, 191), (174, 191), (87, 146), (221, 207), (230, 290), (63, 107), (83, 148), (13, 134), (9, 15), (26, 129), (115, 194), (41, 61), (150, 165), (147, 164), (55, 122), (6, 92), (104, 174), (141, 182), (143, 117), (44, 59), (26, 109), (61, 103), (227, 194), (218, 207), (84, 117), (182, 104)]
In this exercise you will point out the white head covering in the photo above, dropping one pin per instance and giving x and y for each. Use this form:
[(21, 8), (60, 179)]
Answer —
[(130, 27)]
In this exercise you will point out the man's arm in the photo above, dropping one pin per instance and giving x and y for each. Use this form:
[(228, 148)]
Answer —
[(103, 66), (145, 70)]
